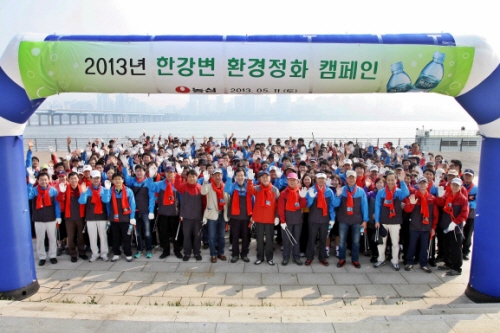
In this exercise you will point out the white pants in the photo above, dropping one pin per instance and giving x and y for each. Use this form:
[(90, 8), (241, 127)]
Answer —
[(393, 230), (50, 228), (93, 228)]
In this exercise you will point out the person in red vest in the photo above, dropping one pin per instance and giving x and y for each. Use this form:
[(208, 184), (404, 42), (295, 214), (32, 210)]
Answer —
[(74, 215)]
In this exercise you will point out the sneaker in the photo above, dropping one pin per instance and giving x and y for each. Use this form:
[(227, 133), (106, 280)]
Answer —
[(129, 259), (137, 255), (308, 262), (115, 258), (453, 272), (234, 259), (341, 263), (426, 269), (444, 268), (41, 262), (53, 261), (105, 257), (84, 256), (74, 259), (149, 255), (258, 262), (93, 258), (356, 264), (395, 267), (408, 268), (379, 264), (302, 254), (324, 263), (285, 262), (198, 257), (297, 261), (245, 259), (185, 258), (164, 255), (271, 262)]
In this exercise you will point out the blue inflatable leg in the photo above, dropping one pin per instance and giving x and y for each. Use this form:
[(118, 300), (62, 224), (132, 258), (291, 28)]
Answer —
[(17, 266)]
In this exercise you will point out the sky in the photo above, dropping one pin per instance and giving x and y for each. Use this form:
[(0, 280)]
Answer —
[(250, 17)]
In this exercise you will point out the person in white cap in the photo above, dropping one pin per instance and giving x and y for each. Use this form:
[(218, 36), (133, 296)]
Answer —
[(46, 214), (215, 213), (424, 216), (346, 166), (95, 215), (290, 204), (352, 214), (320, 201), (87, 178), (455, 213), (389, 212)]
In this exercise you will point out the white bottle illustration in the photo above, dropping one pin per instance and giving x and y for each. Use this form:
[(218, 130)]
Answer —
[(431, 75), (399, 81)]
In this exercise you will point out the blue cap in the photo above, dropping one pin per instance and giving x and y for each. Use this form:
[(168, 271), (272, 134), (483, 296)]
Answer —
[(469, 171), (262, 173)]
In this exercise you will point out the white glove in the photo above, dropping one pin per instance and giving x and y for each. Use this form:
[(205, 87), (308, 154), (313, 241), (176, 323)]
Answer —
[(204, 221), (133, 222), (452, 226), (124, 160), (68, 157), (62, 187), (107, 184), (379, 153), (332, 223), (303, 192), (32, 179), (276, 220), (101, 153), (276, 158), (250, 174), (51, 149), (283, 226), (58, 220), (152, 171), (197, 169), (151, 216), (178, 168), (50, 171), (230, 172), (311, 192), (30, 170), (206, 176), (441, 191), (328, 182), (279, 173)]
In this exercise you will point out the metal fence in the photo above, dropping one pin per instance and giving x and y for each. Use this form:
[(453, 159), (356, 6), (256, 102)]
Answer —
[(59, 144)]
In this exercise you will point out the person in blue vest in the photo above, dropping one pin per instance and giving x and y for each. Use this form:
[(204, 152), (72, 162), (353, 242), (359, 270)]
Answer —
[(121, 207), (468, 183), (46, 215), (352, 214)]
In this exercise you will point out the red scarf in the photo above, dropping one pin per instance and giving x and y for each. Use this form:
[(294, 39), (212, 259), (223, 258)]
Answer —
[(125, 204), (321, 200), (220, 194), (96, 199), (360, 181), (292, 201), (43, 198), (389, 201), (67, 206), (168, 195), (235, 203), (266, 196), (448, 205), (424, 208), (350, 200)]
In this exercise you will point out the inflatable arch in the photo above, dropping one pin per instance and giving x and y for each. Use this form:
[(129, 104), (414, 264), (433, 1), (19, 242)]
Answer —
[(34, 67)]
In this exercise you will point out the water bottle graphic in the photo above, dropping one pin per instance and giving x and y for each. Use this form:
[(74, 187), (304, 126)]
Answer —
[(399, 81), (431, 75)]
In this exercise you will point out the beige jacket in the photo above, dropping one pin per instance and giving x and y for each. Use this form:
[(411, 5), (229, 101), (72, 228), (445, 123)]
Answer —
[(211, 211)]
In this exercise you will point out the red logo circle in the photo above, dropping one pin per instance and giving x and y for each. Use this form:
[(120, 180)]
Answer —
[(182, 90)]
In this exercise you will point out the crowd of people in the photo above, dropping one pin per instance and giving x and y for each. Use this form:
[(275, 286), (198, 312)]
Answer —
[(315, 199)]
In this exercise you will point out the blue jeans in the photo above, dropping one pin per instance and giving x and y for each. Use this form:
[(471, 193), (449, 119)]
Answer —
[(422, 238), (216, 232), (143, 229), (343, 231)]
